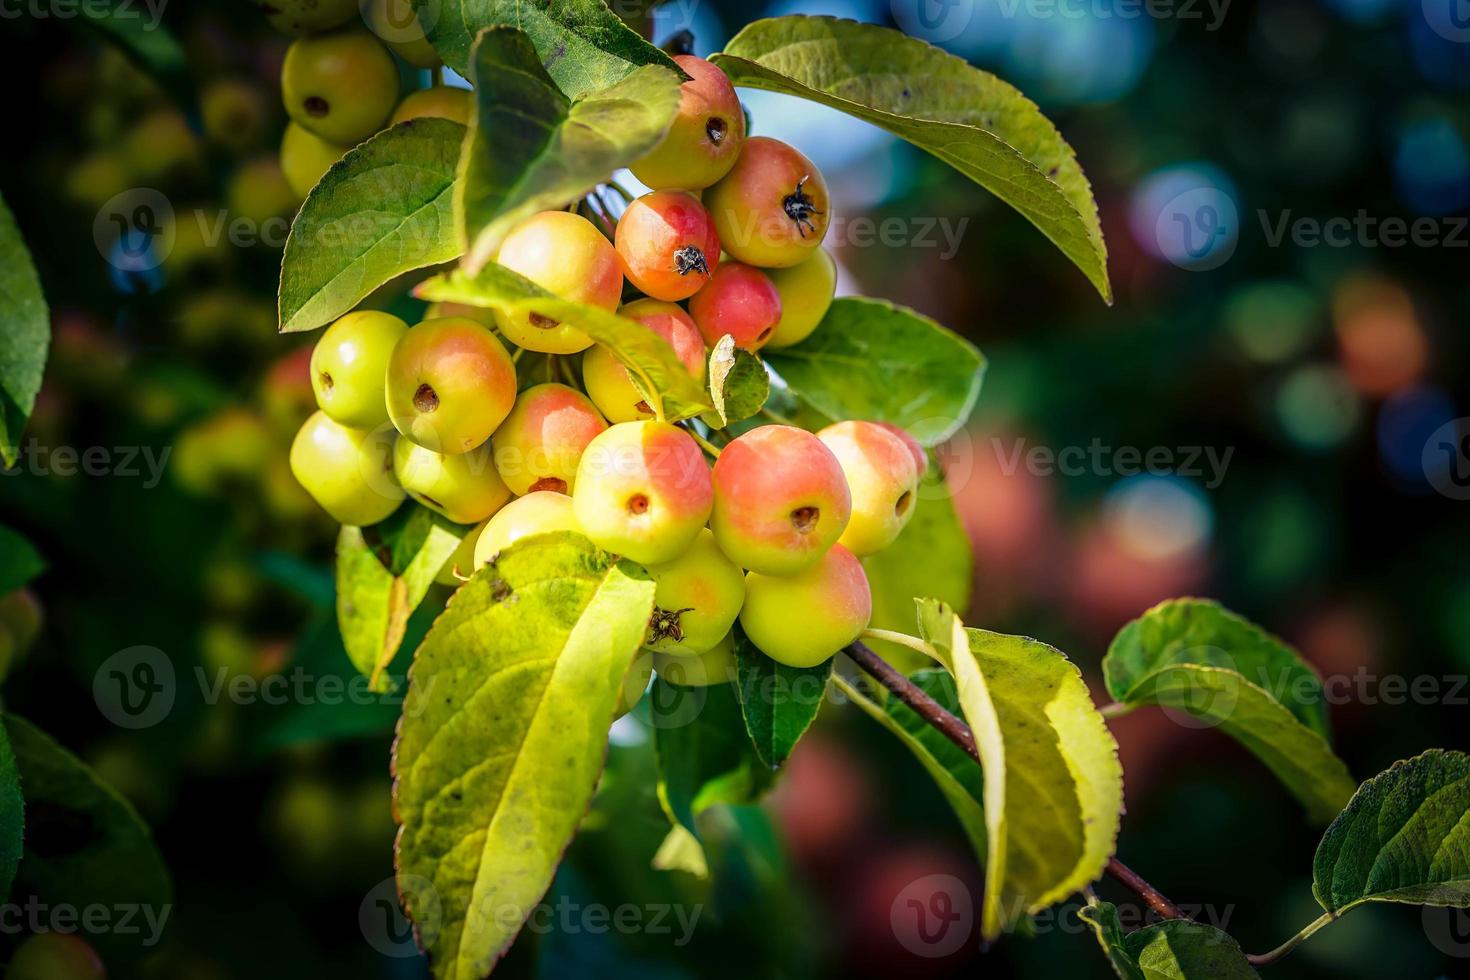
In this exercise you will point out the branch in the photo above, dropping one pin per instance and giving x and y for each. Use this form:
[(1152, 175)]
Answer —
[(959, 733)]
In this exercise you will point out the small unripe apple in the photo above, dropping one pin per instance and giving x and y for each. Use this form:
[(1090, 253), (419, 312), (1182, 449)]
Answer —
[(341, 86), (567, 256), (440, 101), (697, 597), (667, 244), (607, 381), (464, 487), (461, 564), (781, 500), (773, 208), (235, 114), (259, 193), (806, 291), (882, 479), (541, 441), (535, 513), (482, 315), (55, 956), (635, 682), (349, 472), (395, 22), (800, 620), (22, 615), (739, 300), (450, 384), (643, 491), (715, 666), (921, 458), (305, 157), (707, 134), (307, 16), (349, 365)]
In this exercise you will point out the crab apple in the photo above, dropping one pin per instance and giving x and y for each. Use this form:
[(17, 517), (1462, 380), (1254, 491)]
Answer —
[(535, 513), (21, 615), (806, 291), (348, 366), (882, 478), (541, 441), (921, 458), (781, 500), (715, 666), (442, 101), (566, 255), (55, 956), (464, 488), (307, 16), (697, 597), (739, 300), (395, 22), (340, 86), (608, 382), (772, 208), (450, 384), (349, 472), (462, 562), (708, 132), (635, 682), (667, 244), (800, 620), (643, 491), (305, 157)]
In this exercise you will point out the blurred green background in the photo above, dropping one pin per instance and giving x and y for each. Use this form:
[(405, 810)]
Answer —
[(1286, 389)]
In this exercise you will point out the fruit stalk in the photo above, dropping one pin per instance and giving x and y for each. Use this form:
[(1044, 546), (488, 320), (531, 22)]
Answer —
[(959, 733)]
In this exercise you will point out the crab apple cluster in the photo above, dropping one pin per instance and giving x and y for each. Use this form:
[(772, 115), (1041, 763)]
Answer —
[(341, 81), (767, 531)]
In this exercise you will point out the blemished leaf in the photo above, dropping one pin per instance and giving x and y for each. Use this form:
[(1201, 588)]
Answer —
[(1404, 837), (383, 573), (870, 359), (647, 356), (583, 44), (704, 759), (503, 738), (85, 845), (931, 557), (973, 121), (12, 816), (27, 328), (779, 703), (1194, 657), (1174, 950), (738, 384), (530, 149), (382, 210), (19, 561)]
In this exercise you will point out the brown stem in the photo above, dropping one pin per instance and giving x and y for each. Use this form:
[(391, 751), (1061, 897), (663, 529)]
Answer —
[(959, 733)]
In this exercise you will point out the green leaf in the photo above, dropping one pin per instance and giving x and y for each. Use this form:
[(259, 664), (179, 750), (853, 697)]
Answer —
[(647, 356), (530, 149), (85, 845), (1404, 837), (503, 737), (931, 557), (137, 29), (779, 703), (383, 573), (382, 210), (870, 359), (738, 384), (1195, 657), (973, 121), (583, 44), (1174, 950), (27, 328), (704, 759), (12, 816), (19, 561)]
